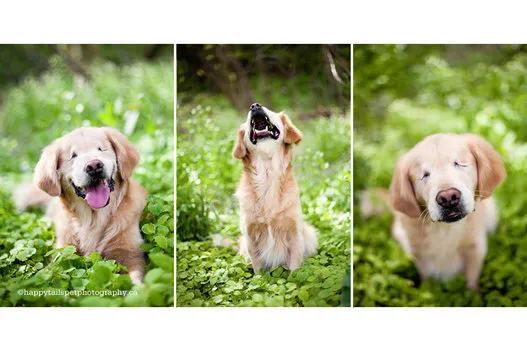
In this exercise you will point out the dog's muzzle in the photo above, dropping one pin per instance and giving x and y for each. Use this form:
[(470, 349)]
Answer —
[(261, 126), (449, 201), (97, 191)]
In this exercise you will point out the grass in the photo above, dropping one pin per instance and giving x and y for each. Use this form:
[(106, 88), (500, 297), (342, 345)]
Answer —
[(483, 98), (207, 177), (32, 271)]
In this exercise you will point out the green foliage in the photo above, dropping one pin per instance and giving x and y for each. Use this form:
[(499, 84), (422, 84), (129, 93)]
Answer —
[(204, 173), (44, 108), (297, 76), (486, 98), (207, 178), (32, 271)]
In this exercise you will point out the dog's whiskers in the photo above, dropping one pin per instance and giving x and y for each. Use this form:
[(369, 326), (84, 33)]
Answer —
[(423, 217)]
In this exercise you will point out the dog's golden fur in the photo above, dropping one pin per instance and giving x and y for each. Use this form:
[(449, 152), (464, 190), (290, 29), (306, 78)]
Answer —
[(113, 231), (273, 232)]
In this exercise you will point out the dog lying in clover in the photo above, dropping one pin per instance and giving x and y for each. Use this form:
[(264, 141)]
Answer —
[(83, 180)]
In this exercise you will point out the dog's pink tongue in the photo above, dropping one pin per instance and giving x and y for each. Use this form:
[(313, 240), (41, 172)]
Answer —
[(97, 196)]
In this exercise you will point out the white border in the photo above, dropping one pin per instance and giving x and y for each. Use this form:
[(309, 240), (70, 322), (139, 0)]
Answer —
[(270, 21), (273, 21)]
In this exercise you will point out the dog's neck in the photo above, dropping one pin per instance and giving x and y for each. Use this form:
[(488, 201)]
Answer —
[(268, 174), (269, 161), (268, 149)]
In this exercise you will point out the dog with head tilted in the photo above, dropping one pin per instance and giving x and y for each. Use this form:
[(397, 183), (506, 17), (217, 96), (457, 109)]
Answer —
[(273, 231), (83, 179)]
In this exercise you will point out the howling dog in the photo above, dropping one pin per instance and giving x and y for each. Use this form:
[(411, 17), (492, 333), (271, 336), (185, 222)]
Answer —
[(273, 231)]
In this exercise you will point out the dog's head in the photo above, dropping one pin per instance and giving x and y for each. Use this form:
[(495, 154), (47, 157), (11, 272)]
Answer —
[(86, 162), (264, 131), (446, 174)]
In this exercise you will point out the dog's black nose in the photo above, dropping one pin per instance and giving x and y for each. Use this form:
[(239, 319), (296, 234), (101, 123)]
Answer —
[(256, 106), (448, 198), (94, 167)]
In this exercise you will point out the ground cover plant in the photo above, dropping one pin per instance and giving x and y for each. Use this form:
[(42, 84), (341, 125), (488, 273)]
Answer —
[(42, 107), (404, 93)]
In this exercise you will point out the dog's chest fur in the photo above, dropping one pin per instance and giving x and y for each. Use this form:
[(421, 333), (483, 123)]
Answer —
[(94, 229), (269, 205), (437, 247), (91, 227), (266, 182), (439, 253)]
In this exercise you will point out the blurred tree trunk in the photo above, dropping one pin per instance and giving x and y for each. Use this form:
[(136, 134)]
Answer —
[(260, 57), (151, 51), (339, 71), (73, 56), (228, 75)]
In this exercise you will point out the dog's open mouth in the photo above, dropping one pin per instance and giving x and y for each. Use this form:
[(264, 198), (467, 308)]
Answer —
[(97, 194), (262, 128), (451, 216)]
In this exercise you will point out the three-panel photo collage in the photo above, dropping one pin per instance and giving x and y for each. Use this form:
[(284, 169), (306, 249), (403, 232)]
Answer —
[(263, 175)]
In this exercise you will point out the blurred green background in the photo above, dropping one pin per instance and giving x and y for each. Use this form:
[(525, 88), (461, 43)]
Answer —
[(216, 85), (403, 93), (47, 91)]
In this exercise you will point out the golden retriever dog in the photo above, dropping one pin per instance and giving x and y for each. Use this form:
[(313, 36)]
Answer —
[(273, 231), (441, 195), (84, 181)]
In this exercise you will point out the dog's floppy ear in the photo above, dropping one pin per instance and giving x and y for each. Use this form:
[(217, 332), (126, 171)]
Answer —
[(291, 133), (240, 150), (46, 174), (127, 155), (491, 171), (402, 194)]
